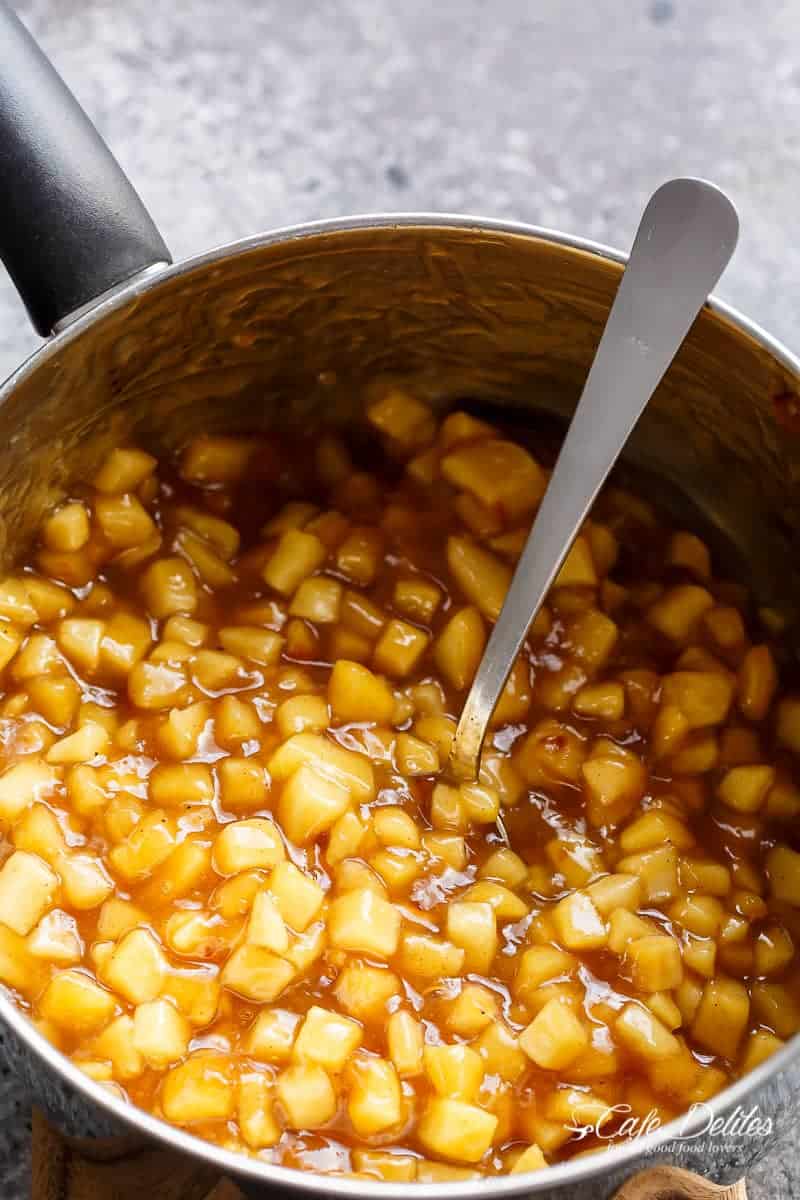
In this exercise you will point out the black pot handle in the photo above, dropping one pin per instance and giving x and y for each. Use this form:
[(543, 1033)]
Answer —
[(71, 225)]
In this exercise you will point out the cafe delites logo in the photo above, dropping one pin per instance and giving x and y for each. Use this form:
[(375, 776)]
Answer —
[(699, 1121)]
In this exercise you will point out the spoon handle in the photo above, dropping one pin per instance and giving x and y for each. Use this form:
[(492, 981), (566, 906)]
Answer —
[(686, 237)]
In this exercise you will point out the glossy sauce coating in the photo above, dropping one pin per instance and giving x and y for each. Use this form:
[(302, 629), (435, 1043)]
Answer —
[(235, 888)]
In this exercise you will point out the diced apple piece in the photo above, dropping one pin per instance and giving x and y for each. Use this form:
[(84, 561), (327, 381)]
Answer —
[(266, 927), (702, 915), (417, 598), (55, 698), (256, 1118), (356, 694), (399, 648), (365, 992), (74, 1002), (507, 905), (363, 923), (82, 746), (137, 967), (259, 646), (703, 697), (385, 1165), (657, 827), (242, 784), (56, 939), (85, 880), (327, 1039), (177, 785), (574, 857), (27, 890), (23, 784), (168, 586), (349, 770), (775, 1005), (155, 685), (721, 1017), (242, 845), (297, 555), (115, 1044), (160, 1033), (404, 1039), (455, 1130), (271, 1037), (199, 1090), (216, 459), (658, 871), (117, 917), (538, 965), (483, 579), (569, 1106), (317, 599), (578, 568), (472, 1011), (700, 956), (555, 1037), (403, 418), (67, 529), (615, 891), (625, 927), (531, 1159), (688, 551), (592, 637), (745, 788), (500, 474), (605, 701), (579, 925), (196, 993), (758, 1048), (500, 1050), (429, 957), (459, 647), (480, 803), (455, 1071), (396, 828), (551, 753), (665, 1008), (676, 613), (644, 1035), (774, 950), (301, 713), (655, 963), (615, 781), (375, 1103), (310, 804), (235, 722), (757, 682), (216, 670), (145, 848), (256, 974), (305, 948), (306, 1095), (124, 469), (473, 927), (298, 897), (123, 520)]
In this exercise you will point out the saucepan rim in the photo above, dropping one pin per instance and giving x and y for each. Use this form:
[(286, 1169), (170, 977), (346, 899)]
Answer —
[(226, 1161)]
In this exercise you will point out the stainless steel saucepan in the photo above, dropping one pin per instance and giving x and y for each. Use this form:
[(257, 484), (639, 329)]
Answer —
[(285, 327)]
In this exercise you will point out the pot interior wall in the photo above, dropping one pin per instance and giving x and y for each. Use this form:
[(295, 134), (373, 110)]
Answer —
[(295, 333)]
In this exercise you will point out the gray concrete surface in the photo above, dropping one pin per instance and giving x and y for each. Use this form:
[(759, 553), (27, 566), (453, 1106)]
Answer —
[(236, 116)]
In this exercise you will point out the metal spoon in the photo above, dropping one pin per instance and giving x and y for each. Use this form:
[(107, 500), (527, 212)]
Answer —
[(686, 237)]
